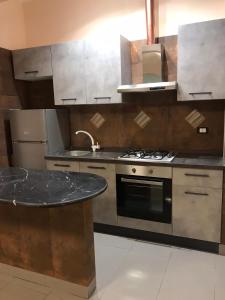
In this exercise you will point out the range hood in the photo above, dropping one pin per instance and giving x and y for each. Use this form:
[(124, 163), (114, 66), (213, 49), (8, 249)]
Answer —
[(152, 60)]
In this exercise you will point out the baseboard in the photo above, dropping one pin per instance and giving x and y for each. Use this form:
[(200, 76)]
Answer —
[(158, 238)]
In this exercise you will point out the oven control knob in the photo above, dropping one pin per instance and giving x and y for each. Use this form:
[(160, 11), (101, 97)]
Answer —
[(134, 170), (150, 171)]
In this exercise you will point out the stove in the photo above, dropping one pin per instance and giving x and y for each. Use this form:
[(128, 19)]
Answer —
[(147, 155)]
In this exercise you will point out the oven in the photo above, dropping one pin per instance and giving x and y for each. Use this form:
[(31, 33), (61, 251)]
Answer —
[(144, 197)]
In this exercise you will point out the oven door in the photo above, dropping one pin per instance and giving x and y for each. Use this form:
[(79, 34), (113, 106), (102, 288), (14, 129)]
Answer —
[(146, 198)]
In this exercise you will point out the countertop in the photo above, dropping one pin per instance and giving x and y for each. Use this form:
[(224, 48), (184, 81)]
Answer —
[(189, 161), (27, 187)]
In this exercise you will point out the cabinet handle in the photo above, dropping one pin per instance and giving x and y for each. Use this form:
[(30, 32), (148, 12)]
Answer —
[(62, 165), (102, 98), (196, 194), (97, 168), (200, 93), (197, 175), (69, 99), (31, 72)]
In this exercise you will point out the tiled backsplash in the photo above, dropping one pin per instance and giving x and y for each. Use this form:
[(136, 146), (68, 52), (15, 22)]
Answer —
[(158, 123)]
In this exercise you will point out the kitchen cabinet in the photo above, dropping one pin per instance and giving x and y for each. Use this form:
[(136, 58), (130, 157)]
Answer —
[(201, 72), (63, 165), (197, 203), (108, 65), (104, 206), (32, 63), (69, 73)]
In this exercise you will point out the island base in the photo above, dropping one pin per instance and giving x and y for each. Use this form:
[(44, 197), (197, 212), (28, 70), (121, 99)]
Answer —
[(53, 246)]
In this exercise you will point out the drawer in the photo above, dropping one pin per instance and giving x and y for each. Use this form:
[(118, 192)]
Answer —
[(60, 165), (198, 177), (197, 213), (101, 169), (150, 171)]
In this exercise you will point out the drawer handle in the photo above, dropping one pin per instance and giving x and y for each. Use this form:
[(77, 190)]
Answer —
[(196, 194), (96, 168), (69, 99), (62, 165), (31, 72), (197, 175), (102, 98), (200, 93)]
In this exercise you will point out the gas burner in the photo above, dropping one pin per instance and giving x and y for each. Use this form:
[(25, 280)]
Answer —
[(147, 155)]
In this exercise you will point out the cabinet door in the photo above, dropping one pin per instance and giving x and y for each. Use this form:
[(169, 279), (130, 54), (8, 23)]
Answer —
[(60, 165), (103, 70), (201, 60), (69, 73), (104, 206), (197, 213), (32, 63)]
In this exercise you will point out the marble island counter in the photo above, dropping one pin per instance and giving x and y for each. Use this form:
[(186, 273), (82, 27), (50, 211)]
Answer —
[(48, 188), (46, 227)]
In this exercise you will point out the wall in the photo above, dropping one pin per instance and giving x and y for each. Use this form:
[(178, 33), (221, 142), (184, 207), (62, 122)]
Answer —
[(12, 25), (29, 23), (167, 129), (175, 12), (55, 21)]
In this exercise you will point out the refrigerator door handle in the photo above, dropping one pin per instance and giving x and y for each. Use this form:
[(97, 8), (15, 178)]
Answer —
[(29, 142)]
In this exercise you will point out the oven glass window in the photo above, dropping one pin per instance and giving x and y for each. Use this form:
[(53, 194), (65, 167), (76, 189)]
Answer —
[(150, 198), (143, 199)]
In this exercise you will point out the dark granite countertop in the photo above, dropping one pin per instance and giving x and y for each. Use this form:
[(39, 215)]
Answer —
[(48, 188), (189, 161)]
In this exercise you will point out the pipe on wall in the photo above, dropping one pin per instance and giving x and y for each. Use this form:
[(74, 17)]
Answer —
[(152, 13)]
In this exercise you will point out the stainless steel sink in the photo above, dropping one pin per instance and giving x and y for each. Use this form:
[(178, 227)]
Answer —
[(77, 153)]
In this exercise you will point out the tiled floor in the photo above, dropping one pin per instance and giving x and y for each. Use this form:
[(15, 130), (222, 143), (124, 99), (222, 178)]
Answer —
[(134, 270)]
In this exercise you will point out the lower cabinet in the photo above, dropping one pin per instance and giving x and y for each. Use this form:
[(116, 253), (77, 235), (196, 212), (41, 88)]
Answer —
[(63, 165), (104, 206), (197, 206)]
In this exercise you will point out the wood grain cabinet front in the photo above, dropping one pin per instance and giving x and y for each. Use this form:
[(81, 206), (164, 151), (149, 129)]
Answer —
[(32, 63), (69, 73), (197, 203), (63, 165), (201, 60), (104, 206)]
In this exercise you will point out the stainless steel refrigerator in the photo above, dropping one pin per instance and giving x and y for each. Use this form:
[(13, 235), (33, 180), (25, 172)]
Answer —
[(36, 133)]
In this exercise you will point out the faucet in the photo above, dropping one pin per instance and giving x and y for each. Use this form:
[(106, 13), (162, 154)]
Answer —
[(93, 146)]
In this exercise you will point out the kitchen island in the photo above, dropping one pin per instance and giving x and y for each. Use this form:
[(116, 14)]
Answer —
[(46, 227)]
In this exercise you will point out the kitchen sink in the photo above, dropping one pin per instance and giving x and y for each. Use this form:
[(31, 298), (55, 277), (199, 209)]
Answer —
[(77, 152)]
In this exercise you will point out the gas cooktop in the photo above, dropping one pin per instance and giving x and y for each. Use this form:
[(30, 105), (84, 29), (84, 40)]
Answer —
[(147, 155)]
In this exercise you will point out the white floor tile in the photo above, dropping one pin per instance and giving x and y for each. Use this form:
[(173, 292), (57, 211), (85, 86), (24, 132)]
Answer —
[(113, 241), (190, 275), (108, 261), (140, 275), (220, 278)]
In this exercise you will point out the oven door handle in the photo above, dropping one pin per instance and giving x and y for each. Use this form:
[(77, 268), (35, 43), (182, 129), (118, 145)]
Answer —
[(146, 182)]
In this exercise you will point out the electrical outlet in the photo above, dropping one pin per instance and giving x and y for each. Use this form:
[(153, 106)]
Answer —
[(202, 130)]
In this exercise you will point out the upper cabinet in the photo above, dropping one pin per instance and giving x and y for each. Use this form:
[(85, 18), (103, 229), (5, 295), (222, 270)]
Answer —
[(84, 72), (32, 63), (90, 71), (69, 73), (108, 65), (201, 60)]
